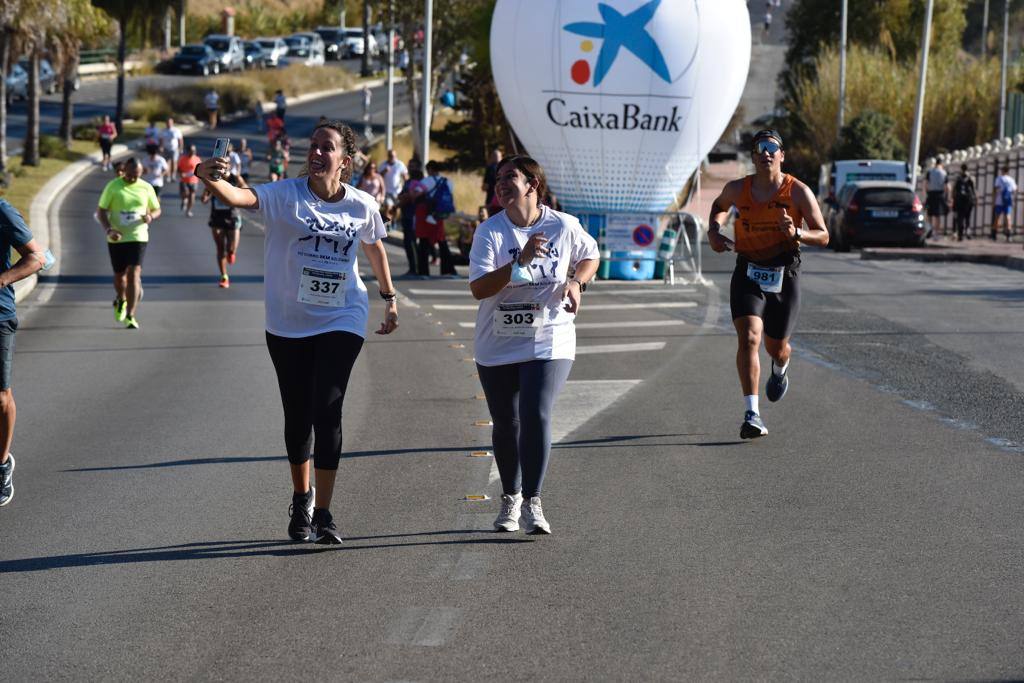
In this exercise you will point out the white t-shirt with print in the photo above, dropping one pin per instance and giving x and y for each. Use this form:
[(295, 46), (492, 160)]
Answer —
[(393, 173), (1004, 183), (153, 170), (501, 335), (311, 274)]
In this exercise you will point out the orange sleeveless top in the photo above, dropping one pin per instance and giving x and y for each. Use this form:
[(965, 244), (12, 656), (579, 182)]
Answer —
[(758, 237)]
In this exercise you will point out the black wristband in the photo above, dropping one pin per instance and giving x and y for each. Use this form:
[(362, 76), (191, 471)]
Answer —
[(388, 296)]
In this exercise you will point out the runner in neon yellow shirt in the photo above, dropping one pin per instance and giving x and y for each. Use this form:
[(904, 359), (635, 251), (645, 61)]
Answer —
[(127, 207)]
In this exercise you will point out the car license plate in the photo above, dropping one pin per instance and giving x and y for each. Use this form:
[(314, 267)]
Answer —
[(885, 213)]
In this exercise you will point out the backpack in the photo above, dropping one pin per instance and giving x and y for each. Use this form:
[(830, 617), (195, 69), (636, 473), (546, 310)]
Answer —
[(963, 191), (440, 200), (1005, 194)]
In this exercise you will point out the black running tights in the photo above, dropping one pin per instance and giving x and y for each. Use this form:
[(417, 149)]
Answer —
[(312, 373)]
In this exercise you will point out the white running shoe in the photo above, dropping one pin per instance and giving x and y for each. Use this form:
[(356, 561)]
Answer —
[(508, 518), (533, 517)]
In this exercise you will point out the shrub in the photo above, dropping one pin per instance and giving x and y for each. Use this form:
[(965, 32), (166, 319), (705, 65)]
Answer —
[(870, 135), (86, 131), (149, 107), (52, 147)]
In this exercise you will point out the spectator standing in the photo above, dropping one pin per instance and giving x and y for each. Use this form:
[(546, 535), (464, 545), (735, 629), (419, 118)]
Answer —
[(280, 105), (172, 142), (936, 184), (212, 103), (430, 228), (1003, 191), (107, 132), (964, 201), (372, 183), (407, 206), (395, 174), (14, 234), (490, 176), (767, 20)]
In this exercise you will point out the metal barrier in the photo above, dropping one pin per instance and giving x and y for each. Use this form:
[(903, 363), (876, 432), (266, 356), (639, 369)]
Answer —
[(97, 56), (681, 235), (983, 163)]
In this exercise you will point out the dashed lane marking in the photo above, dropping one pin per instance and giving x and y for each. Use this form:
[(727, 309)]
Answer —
[(581, 400), (620, 348), (590, 307), (424, 626), (615, 323)]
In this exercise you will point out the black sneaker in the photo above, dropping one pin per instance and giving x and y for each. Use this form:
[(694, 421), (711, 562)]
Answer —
[(300, 528), (777, 386), (7, 480), (324, 531), (752, 427)]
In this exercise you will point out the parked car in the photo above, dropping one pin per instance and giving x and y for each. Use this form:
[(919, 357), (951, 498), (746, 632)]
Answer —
[(228, 50), (17, 80), (196, 59), (255, 56), (354, 43), (305, 48), (334, 41), (275, 48), (877, 212)]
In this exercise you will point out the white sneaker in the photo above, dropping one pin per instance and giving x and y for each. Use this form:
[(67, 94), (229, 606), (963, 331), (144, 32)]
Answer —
[(508, 518), (533, 517)]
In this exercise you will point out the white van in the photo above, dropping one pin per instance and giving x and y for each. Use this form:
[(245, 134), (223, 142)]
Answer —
[(834, 176)]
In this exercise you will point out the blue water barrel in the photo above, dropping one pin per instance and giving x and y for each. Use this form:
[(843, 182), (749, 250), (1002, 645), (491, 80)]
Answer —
[(632, 270)]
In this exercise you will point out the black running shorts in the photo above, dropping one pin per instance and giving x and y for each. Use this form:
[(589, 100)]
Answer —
[(124, 254), (777, 311), (223, 219)]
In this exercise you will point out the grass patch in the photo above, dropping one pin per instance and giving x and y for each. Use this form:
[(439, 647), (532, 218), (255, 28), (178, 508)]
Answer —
[(26, 181)]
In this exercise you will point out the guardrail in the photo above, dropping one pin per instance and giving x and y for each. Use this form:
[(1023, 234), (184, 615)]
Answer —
[(97, 56)]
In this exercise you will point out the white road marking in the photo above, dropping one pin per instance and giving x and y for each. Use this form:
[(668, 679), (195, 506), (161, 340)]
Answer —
[(493, 475), (627, 292), (467, 565), (620, 348), (668, 322), (582, 400), (586, 307), (424, 626), (441, 292)]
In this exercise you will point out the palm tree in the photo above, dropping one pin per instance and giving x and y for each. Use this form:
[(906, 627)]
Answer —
[(41, 19), (84, 23), (10, 32)]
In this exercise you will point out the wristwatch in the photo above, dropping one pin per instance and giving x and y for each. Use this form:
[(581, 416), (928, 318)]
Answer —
[(797, 235), (581, 283)]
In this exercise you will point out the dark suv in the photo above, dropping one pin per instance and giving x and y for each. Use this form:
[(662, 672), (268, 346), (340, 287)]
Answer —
[(876, 212)]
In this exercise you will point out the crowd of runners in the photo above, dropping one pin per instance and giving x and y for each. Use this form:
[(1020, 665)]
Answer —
[(529, 266)]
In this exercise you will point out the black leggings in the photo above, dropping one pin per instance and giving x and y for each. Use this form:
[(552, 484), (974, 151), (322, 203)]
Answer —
[(312, 373), (520, 397)]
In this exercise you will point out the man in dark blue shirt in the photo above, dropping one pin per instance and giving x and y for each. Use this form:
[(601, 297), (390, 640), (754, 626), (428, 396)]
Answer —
[(13, 234)]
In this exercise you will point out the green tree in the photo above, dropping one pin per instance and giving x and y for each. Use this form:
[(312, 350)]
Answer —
[(84, 23), (870, 135)]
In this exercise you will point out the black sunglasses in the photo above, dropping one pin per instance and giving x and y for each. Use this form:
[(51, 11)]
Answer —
[(770, 146)]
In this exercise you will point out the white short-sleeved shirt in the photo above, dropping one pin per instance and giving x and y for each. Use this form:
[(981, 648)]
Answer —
[(936, 180), (393, 173), (171, 138), (153, 170), (1004, 183), (498, 241), (311, 274)]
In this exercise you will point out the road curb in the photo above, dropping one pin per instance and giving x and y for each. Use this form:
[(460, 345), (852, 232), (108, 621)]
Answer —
[(51, 195), (944, 255)]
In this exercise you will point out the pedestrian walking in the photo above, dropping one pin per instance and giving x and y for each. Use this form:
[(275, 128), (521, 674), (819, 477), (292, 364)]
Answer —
[(127, 207), (372, 183), (964, 201), (407, 216), (212, 103), (525, 339), (767, 20), (14, 234), (107, 133), (937, 192), (490, 174), (764, 296), (434, 205), (395, 174), (1004, 190), (316, 306)]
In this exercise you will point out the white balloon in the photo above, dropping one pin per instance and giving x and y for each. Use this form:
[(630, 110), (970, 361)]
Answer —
[(615, 131)]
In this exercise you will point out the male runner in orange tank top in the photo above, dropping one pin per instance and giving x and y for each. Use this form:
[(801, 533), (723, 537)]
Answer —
[(764, 295)]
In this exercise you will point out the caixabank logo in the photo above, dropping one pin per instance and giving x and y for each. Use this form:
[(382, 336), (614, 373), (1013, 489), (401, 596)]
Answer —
[(618, 32)]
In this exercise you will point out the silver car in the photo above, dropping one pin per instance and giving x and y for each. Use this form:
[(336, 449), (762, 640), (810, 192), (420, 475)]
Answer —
[(228, 50), (275, 48)]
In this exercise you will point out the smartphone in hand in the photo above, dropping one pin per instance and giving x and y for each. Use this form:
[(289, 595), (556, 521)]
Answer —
[(220, 151)]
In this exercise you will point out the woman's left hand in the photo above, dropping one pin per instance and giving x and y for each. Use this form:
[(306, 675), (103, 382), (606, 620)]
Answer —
[(574, 296), (390, 323)]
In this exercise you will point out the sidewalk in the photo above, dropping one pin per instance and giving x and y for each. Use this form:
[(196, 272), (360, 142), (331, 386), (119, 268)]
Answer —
[(976, 250)]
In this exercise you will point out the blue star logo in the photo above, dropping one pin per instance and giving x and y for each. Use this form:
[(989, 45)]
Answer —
[(618, 31)]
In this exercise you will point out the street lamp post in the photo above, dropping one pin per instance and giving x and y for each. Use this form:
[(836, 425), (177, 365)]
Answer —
[(915, 136), (984, 31), (1002, 70), (842, 72), (390, 128), (428, 29)]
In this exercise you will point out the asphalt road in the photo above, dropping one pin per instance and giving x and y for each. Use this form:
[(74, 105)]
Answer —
[(874, 534)]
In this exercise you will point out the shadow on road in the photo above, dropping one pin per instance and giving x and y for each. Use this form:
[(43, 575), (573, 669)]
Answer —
[(209, 550)]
